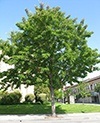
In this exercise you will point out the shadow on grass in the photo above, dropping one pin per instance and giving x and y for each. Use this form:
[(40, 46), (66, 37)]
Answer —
[(29, 109), (46, 109), (59, 109)]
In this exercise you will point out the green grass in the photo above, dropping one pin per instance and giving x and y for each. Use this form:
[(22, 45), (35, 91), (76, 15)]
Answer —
[(79, 108), (46, 108)]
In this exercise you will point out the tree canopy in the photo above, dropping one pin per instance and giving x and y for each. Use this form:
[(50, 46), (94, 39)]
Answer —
[(49, 48)]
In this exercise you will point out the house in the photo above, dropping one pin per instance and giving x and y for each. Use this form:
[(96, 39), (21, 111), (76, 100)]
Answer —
[(23, 88), (95, 96), (90, 86)]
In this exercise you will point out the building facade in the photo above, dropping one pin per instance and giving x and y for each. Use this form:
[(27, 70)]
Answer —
[(94, 96), (23, 88)]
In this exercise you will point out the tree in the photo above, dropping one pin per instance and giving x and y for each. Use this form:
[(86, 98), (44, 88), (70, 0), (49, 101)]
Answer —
[(67, 94), (97, 88), (83, 90), (49, 48)]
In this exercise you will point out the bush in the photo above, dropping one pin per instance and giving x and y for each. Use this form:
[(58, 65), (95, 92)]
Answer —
[(2, 93), (43, 97), (29, 98), (17, 97), (11, 98)]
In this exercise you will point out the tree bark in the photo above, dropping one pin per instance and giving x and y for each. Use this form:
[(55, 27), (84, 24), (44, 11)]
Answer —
[(53, 102), (53, 107)]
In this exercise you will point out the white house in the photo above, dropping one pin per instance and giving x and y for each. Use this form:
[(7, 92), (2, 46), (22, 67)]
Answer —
[(23, 89)]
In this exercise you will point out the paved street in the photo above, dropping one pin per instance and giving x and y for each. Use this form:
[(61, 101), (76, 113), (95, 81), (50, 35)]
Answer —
[(66, 118)]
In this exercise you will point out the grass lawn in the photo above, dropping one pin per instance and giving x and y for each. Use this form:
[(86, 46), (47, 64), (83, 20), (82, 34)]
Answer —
[(46, 108)]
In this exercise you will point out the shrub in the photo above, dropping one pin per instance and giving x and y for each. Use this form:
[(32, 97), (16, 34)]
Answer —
[(29, 98), (43, 97), (17, 97), (11, 98), (2, 93)]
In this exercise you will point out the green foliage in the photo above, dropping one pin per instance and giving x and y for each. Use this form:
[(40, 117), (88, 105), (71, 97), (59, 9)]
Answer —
[(83, 90), (50, 48), (43, 97), (42, 89), (97, 87), (68, 92), (2, 93), (58, 94), (11, 98), (40, 98), (49, 44), (29, 98)]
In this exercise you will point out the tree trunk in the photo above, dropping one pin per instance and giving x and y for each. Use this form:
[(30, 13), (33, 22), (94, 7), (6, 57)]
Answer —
[(83, 100), (53, 107)]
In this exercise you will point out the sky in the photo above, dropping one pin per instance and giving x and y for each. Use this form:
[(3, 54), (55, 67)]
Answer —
[(12, 11)]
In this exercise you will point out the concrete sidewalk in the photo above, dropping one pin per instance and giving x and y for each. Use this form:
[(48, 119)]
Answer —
[(77, 117)]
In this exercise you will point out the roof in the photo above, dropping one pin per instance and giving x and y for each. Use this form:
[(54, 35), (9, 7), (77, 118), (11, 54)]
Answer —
[(87, 81)]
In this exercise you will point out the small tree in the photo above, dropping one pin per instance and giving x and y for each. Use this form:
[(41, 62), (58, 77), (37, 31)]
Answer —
[(67, 94), (83, 90), (97, 88), (49, 48)]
